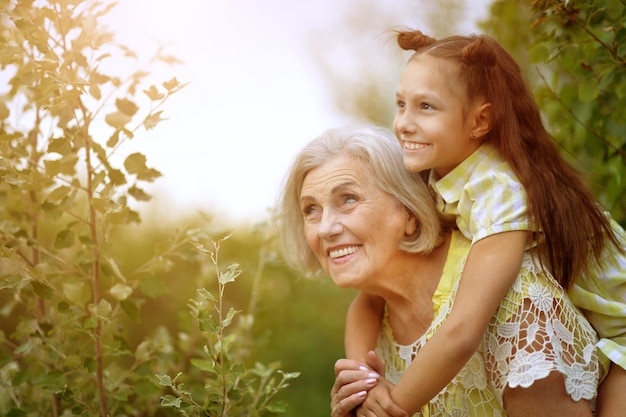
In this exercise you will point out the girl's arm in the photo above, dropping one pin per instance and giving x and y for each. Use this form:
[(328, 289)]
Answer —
[(492, 265), (362, 325)]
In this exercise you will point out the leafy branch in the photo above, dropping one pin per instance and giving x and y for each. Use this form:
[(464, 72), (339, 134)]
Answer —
[(232, 389)]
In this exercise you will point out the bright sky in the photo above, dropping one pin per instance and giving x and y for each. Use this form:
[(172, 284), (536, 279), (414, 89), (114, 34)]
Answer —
[(253, 101)]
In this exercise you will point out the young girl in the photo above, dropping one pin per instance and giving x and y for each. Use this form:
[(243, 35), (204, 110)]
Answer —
[(466, 118)]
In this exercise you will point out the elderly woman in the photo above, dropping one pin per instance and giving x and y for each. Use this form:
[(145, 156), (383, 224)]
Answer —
[(349, 209)]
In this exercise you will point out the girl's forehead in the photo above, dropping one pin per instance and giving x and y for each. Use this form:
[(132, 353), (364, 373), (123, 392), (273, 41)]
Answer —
[(442, 67)]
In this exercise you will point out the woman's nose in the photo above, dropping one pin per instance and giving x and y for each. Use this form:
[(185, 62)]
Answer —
[(330, 225)]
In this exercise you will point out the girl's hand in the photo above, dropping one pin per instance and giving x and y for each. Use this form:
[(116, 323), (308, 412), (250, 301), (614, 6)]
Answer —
[(352, 382), (378, 402)]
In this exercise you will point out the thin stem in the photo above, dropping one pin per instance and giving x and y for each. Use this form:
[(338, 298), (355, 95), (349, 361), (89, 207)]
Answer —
[(220, 317), (95, 273)]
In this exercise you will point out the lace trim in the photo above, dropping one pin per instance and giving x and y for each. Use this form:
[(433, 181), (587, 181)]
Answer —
[(535, 331)]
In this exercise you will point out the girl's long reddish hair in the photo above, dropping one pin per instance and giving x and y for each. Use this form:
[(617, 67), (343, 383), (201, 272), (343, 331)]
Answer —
[(574, 226)]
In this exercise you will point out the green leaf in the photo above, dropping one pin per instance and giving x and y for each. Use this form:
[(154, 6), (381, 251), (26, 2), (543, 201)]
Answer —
[(131, 309), (117, 119), (152, 287), (65, 165), (42, 290), (587, 90), (120, 216), (121, 291), (26, 347), (146, 388), (206, 294), (62, 307), (229, 317), (538, 53), (16, 412), (277, 407), (114, 139), (4, 111), (77, 293), (61, 146), (102, 311), (206, 322), (614, 9), (153, 93), (152, 120), (231, 273), (171, 84), (64, 239), (139, 194), (94, 91), (203, 364), (165, 380), (183, 389), (10, 281), (199, 246), (171, 401), (136, 164), (59, 193), (126, 106), (116, 176)]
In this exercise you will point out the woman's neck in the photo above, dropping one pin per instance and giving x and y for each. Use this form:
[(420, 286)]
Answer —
[(410, 306)]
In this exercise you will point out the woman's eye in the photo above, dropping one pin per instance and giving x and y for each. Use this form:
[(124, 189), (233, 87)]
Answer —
[(400, 104), (349, 198), (426, 106), (308, 211)]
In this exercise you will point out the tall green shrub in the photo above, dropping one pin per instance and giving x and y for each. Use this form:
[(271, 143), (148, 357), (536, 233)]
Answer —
[(65, 207)]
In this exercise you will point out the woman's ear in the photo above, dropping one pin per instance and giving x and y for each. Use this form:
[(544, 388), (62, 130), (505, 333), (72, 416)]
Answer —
[(410, 228), (481, 117)]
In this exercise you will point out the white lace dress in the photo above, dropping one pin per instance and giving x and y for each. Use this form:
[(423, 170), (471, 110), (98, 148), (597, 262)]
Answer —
[(535, 331)]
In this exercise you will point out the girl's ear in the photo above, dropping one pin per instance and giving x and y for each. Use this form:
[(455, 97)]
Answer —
[(481, 117)]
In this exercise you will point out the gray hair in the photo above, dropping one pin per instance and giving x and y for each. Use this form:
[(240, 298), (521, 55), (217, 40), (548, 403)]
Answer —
[(379, 150)]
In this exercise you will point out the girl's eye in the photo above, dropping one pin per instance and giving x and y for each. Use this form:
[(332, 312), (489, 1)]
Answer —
[(401, 104), (426, 106)]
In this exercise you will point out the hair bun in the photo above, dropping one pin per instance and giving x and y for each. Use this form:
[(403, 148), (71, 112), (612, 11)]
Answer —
[(480, 51), (414, 40)]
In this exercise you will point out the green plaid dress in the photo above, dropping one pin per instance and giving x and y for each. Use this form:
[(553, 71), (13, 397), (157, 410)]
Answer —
[(486, 197)]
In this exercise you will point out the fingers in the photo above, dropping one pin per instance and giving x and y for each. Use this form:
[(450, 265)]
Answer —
[(344, 407), (352, 377), (350, 388), (378, 402), (376, 363), (347, 364)]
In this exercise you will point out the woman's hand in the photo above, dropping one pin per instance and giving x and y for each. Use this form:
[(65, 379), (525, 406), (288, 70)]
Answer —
[(352, 382)]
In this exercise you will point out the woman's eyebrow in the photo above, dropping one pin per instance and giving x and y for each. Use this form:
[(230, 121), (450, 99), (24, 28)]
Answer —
[(334, 190)]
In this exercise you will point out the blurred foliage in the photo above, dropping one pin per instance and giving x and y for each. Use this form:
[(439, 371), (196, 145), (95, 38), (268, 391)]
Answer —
[(575, 55)]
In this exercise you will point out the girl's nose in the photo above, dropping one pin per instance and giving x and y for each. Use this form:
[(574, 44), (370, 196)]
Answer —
[(403, 124)]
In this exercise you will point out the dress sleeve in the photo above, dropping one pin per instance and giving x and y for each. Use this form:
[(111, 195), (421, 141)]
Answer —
[(492, 202)]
